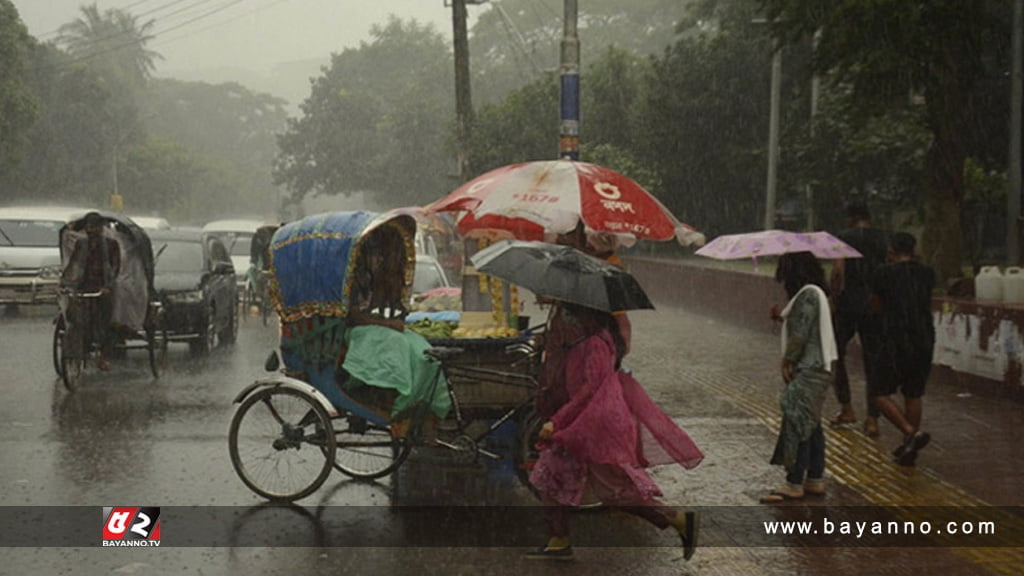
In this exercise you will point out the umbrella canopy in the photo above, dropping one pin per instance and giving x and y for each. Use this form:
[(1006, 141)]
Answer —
[(775, 243), (562, 273), (553, 196)]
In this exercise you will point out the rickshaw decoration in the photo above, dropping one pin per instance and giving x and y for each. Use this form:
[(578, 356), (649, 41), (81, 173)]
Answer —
[(314, 261)]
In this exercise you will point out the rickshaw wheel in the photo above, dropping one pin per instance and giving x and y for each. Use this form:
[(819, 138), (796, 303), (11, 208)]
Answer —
[(526, 455), (72, 360), (366, 451), (246, 302), (281, 444), (265, 302), (58, 345), (157, 344)]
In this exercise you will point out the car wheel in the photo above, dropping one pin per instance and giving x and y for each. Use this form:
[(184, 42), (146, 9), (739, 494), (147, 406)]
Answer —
[(230, 332), (207, 339)]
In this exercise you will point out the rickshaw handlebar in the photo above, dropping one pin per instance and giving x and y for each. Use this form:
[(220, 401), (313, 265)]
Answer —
[(76, 294)]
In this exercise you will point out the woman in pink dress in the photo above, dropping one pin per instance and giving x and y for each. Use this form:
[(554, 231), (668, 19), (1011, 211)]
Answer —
[(602, 432)]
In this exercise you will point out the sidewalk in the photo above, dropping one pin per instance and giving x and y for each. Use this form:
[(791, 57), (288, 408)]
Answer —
[(722, 382)]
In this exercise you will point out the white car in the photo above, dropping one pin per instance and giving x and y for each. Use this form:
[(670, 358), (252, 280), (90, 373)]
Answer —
[(30, 250), (428, 275), (237, 237)]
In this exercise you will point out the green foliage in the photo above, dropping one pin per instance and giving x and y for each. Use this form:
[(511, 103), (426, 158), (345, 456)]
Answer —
[(377, 120), (514, 42), (522, 127), (112, 42), (18, 108), (222, 126), (702, 123), (935, 52)]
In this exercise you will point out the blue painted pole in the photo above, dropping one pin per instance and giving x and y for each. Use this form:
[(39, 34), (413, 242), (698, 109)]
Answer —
[(569, 128)]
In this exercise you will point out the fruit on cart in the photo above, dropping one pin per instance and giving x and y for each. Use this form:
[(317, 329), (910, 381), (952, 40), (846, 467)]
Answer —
[(485, 332), (432, 329)]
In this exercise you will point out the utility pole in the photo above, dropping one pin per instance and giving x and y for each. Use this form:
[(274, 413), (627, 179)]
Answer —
[(463, 102), (773, 138), (815, 94), (1013, 190), (569, 129)]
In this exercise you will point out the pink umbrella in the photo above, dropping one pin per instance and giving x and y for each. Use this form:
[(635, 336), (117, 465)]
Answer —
[(553, 196), (777, 242)]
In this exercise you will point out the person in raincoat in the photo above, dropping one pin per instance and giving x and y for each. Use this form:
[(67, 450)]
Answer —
[(93, 266), (602, 432), (808, 351)]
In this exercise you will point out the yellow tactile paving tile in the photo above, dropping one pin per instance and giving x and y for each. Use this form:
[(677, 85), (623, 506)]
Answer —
[(858, 462)]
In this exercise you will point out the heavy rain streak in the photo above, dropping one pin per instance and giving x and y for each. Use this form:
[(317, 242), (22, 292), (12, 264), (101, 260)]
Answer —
[(511, 286)]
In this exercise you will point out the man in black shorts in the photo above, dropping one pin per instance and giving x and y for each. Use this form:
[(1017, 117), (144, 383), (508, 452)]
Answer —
[(902, 295)]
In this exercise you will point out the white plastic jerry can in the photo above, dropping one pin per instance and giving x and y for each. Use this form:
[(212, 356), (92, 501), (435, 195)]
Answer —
[(988, 284), (1013, 285)]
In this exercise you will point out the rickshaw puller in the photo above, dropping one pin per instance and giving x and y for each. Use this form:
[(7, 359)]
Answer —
[(94, 265)]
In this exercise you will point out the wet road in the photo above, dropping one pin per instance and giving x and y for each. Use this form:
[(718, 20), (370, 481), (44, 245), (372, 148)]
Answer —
[(125, 439)]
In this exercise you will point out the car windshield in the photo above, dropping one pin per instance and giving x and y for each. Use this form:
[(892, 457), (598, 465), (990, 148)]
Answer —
[(34, 233), (241, 246), (428, 276), (177, 257)]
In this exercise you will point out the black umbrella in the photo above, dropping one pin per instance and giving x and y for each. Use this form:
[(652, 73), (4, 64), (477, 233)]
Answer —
[(562, 273)]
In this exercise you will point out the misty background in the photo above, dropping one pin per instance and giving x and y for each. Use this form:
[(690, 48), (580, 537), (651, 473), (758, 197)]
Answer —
[(272, 46), (203, 109)]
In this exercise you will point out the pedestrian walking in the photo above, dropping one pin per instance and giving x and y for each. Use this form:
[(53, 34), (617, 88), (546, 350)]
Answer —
[(902, 295), (808, 350), (600, 245), (602, 431), (850, 284)]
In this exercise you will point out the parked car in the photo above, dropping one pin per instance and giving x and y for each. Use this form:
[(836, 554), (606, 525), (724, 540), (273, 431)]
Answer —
[(151, 222), (195, 280), (237, 237), (30, 252)]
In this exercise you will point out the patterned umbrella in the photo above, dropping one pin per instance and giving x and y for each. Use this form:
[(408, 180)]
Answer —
[(551, 197), (777, 242)]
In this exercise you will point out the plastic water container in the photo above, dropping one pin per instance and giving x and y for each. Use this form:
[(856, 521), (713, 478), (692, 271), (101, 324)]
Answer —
[(1013, 285), (988, 284)]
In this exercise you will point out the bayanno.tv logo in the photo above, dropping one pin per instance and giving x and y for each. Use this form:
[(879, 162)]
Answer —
[(131, 526)]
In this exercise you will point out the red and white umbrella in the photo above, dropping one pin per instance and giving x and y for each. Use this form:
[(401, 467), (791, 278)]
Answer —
[(532, 199)]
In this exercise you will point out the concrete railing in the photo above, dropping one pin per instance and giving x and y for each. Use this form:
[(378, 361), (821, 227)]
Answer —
[(979, 345)]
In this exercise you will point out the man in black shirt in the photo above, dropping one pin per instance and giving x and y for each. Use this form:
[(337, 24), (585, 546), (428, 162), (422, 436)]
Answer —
[(851, 286), (902, 294)]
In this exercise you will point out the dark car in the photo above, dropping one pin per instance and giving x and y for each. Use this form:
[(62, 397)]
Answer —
[(195, 280)]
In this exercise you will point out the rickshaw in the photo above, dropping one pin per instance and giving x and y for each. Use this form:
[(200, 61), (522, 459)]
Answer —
[(136, 316), (257, 282), (355, 396)]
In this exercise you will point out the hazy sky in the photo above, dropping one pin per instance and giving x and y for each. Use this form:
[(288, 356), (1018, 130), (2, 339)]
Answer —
[(250, 34)]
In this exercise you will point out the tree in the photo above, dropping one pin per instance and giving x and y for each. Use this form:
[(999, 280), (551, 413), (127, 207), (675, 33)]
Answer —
[(221, 126), (513, 42), (701, 121), (67, 155), (379, 120), (18, 108), (889, 49), (112, 41)]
